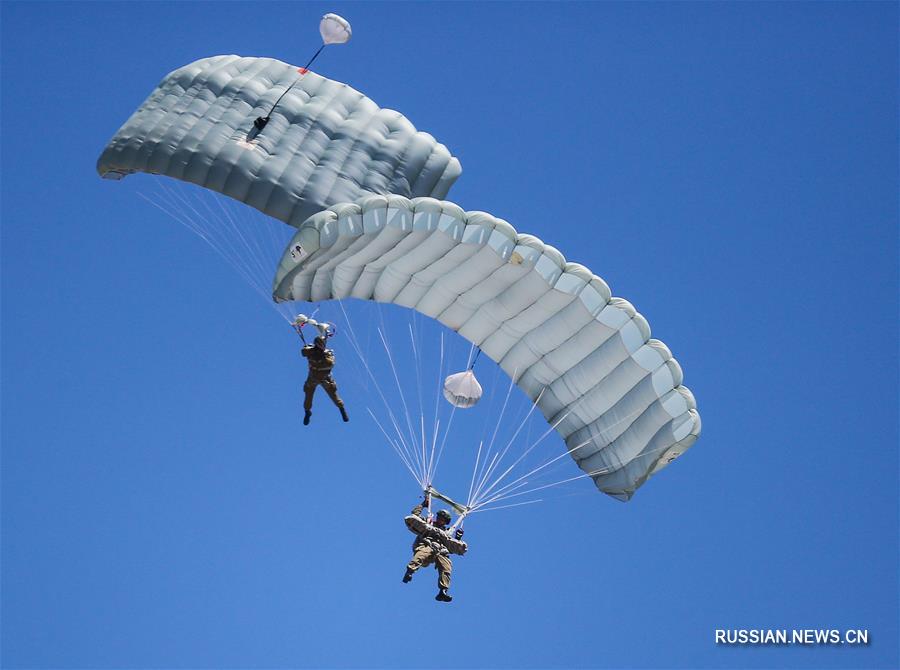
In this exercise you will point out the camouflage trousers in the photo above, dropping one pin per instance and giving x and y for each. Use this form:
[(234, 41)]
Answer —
[(424, 555), (327, 383)]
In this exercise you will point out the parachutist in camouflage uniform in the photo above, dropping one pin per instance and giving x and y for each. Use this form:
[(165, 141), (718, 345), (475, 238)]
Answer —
[(321, 362), (433, 544)]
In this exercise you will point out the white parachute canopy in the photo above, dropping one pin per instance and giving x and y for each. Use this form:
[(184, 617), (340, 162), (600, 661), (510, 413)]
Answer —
[(329, 142), (335, 29), (585, 358), (462, 389)]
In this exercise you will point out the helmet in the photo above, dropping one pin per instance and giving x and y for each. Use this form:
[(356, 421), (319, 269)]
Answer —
[(444, 515), (320, 341)]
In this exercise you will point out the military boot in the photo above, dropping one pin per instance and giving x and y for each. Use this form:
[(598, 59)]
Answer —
[(407, 578), (306, 417), (443, 596), (344, 414)]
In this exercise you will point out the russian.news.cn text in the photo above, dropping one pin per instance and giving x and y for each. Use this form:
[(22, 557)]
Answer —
[(799, 636)]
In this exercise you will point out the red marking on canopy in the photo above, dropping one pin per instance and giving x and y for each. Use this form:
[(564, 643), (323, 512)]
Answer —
[(302, 70)]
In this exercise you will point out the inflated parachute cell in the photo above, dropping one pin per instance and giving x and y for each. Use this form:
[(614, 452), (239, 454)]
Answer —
[(584, 357), (325, 143)]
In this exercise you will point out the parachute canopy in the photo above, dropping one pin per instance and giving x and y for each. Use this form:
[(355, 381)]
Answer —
[(585, 358), (334, 29), (462, 389), (326, 142)]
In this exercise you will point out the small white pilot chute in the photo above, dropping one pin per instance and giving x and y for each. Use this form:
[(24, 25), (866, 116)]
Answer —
[(335, 29), (462, 389)]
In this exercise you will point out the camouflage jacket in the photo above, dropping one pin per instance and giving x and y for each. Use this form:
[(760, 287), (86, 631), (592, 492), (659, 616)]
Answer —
[(426, 533), (321, 361)]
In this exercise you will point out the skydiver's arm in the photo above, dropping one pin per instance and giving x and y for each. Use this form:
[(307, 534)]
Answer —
[(454, 546), (414, 521)]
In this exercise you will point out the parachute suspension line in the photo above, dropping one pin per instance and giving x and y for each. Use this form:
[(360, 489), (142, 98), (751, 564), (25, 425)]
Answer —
[(507, 489), (437, 401), (513, 492), (260, 260), (491, 509), (229, 247), (394, 445), (354, 342), (500, 498), (408, 450), (625, 418), (227, 218), (412, 433), (265, 258), (477, 354), (480, 498), (435, 459), (469, 355), (184, 213), (525, 453), (493, 386), (487, 419), (444, 439), (235, 258), (432, 465), (474, 470), (494, 435), (522, 424), (415, 349), (573, 450)]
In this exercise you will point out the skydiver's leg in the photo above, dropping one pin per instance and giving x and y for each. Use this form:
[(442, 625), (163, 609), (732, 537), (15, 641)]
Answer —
[(331, 389), (423, 555), (444, 567), (309, 389)]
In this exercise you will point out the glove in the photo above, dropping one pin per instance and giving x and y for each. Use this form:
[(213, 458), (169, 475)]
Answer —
[(427, 501), (459, 533)]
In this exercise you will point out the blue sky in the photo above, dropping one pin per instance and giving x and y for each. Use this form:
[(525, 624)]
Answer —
[(731, 169)]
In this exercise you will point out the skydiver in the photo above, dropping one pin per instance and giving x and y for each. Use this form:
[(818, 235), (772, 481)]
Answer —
[(321, 362), (433, 544)]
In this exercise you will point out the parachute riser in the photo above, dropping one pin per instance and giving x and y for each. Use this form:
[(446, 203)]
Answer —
[(460, 509)]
